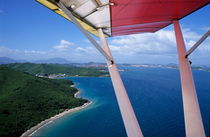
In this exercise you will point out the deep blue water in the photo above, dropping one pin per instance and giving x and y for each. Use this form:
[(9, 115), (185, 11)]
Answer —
[(155, 94)]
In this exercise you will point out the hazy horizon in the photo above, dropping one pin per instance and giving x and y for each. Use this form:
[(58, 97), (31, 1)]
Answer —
[(72, 62)]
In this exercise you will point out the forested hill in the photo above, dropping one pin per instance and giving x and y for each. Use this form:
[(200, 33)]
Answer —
[(49, 69), (26, 100)]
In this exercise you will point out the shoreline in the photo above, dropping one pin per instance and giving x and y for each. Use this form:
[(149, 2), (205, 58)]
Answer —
[(102, 76), (35, 128), (77, 93)]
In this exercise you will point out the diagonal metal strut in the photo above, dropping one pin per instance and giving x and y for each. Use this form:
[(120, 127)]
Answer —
[(92, 40), (192, 115), (130, 121), (197, 43)]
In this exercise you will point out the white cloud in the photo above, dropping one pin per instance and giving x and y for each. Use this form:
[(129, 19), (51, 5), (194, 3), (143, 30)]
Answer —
[(88, 49), (4, 51), (21, 54), (153, 47), (151, 43), (161, 42), (80, 49), (189, 34), (73, 53), (34, 52), (159, 47), (190, 43), (64, 45)]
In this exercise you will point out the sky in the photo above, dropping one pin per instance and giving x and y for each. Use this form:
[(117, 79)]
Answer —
[(29, 31)]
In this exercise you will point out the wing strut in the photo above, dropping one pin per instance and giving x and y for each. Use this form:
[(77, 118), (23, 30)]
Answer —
[(198, 43), (69, 14), (192, 115), (130, 121)]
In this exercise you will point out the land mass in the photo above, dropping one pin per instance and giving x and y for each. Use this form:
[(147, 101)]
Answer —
[(98, 66), (57, 70), (26, 100)]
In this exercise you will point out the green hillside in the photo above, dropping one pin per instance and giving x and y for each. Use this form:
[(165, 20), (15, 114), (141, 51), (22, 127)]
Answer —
[(55, 69), (26, 100)]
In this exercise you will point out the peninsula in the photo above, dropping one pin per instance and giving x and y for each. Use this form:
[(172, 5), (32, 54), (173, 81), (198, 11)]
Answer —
[(26, 100)]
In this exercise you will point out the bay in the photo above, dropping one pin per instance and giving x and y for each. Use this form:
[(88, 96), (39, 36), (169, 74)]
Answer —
[(155, 94)]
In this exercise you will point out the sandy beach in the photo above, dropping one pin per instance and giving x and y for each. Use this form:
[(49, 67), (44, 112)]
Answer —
[(76, 94), (34, 129)]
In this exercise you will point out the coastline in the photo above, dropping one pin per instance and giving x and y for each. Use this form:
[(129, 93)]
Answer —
[(81, 76), (35, 128), (76, 94)]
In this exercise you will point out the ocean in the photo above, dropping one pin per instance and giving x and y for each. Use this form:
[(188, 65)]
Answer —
[(155, 94)]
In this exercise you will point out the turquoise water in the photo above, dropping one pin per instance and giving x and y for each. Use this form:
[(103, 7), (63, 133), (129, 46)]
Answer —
[(155, 94)]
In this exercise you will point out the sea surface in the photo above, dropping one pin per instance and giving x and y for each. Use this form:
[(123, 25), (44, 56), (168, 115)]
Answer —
[(155, 94)]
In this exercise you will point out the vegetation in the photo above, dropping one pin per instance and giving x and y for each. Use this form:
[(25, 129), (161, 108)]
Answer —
[(49, 69), (26, 100)]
